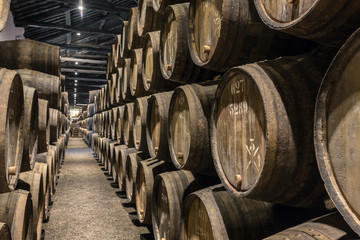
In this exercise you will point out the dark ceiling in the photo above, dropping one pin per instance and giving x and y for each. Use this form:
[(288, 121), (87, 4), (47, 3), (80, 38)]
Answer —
[(84, 40)]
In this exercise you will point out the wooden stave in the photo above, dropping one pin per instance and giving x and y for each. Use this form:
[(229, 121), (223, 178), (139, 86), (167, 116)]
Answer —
[(5, 231), (44, 127), (136, 89), (123, 47), (133, 39), (131, 166), (128, 124), (126, 76), (43, 168), (139, 124), (151, 21), (119, 120), (123, 154)]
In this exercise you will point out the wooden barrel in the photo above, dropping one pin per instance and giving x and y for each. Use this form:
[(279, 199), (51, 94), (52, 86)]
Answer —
[(135, 82), (43, 169), (157, 125), (125, 87), (167, 200), (49, 160), (113, 100), (261, 131), (30, 128), (133, 39), (153, 81), (105, 158), (4, 13), (128, 125), (92, 95), (115, 164), (124, 52), (120, 124), (121, 164), (5, 232), (330, 22), (119, 79), (139, 131), (91, 109), (189, 120), (160, 5), (54, 152), (44, 127), (214, 213), (55, 124), (48, 86), (131, 166), (336, 131), (175, 61), (111, 158), (147, 19), (64, 99), (228, 33), (329, 227), (114, 123), (35, 181), (16, 211), (11, 128), (38, 56), (146, 172)]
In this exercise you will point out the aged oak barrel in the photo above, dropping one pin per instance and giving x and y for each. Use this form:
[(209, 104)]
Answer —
[(11, 128), (146, 172), (92, 95), (261, 131), (114, 123), (4, 14), (55, 124), (153, 81), (30, 128), (16, 211), (44, 127), (43, 169), (115, 164), (175, 61), (337, 131), (139, 131), (227, 33), (111, 158), (167, 200), (157, 125), (147, 19), (120, 124), (135, 82), (49, 160), (48, 86), (128, 125), (126, 75), (130, 174), (327, 21), (124, 52), (119, 79), (160, 5), (121, 164), (35, 181), (133, 39), (329, 227), (214, 213), (188, 129), (5, 232), (38, 56)]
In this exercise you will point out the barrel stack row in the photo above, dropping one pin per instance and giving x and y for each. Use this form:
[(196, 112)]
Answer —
[(207, 92), (34, 135)]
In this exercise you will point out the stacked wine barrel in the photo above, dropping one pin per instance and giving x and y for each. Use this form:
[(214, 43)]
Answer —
[(207, 92), (34, 135)]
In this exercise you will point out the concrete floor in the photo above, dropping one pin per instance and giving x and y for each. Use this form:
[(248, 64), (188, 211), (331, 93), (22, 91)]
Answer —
[(87, 205)]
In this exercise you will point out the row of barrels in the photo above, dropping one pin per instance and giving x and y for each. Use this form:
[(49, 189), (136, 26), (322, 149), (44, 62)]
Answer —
[(181, 204), (254, 129)]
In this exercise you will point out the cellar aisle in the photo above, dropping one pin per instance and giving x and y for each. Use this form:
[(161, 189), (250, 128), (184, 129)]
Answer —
[(86, 205)]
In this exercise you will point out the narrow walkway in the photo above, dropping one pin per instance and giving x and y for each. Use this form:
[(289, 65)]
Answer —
[(86, 205)]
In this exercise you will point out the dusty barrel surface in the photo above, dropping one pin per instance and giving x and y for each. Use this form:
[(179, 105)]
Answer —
[(120, 124), (329, 227), (35, 181), (4, 13), (330, 22), (115, 166), (123, 155), (124, 45), (135, 82), (16, 211), (125, 86), (157, 125), (128, 125), (92, 95), (30, 128), (5, 233), (48, 86), (49, 160), (120, 79), (175, 61), (133, 39), (38, 56), (114, 123), (146, 172), (167, 200), (54, 124), (261, 131), (147, 19), (43, 169), (11, 128), (337, 131), (111, 158), (160, 5), (188, 129), (226, 33), (139, 131), (130, 174), (44, 127)]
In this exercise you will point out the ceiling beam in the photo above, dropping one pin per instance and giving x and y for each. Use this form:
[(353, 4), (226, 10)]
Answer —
[(84, 67), (82, 60), (71, 47), (64, 70), (90, 56), (103, 80), (65, 27)]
